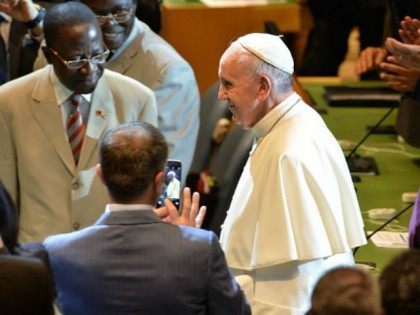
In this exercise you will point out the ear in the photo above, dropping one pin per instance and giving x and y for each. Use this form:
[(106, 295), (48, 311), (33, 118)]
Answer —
[(265, 87), (157, 183), (47, 54), (98, 170)]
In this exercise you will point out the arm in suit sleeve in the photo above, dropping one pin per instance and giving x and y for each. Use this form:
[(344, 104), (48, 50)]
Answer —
[(224, 295), (8, 167), (178, 104)]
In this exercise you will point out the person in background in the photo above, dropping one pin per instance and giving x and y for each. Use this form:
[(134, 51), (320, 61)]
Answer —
[(395, 74), (129, 262), (49, 129), (139, 53), (173, 189), (294, 213), (26, 285), (333, 22), (346, 291), (400, 284)]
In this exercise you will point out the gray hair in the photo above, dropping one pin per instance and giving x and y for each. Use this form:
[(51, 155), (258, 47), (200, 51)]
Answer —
[(282, 81)]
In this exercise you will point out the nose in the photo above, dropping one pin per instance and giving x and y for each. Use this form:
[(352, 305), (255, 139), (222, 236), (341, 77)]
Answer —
[(89, 67), (110, 22), (222, 95)]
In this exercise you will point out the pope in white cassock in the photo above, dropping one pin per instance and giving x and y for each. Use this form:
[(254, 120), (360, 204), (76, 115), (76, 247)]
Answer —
[(294, 213)]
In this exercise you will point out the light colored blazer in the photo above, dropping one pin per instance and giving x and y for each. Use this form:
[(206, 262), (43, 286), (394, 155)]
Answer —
[(149, 59), (36, 164), (130, 262)]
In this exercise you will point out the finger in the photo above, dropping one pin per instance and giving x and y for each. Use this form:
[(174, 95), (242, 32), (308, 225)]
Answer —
[(380, 56), (361, 64), (186, 203), (404, 37), (194, 205), (392, 66), (161, 212), (200, 217), (399, 87), (172, 210)]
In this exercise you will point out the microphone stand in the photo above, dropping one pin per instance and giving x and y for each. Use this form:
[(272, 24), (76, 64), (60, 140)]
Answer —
[(358, 164), (385, 224)]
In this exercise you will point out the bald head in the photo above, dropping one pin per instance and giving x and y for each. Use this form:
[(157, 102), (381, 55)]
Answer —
[(66, 15)]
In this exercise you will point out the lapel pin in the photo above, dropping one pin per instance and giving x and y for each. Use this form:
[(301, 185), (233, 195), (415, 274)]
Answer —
[(101, 114)]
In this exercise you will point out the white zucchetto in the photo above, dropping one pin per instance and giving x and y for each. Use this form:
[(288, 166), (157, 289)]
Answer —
[(269, 48)]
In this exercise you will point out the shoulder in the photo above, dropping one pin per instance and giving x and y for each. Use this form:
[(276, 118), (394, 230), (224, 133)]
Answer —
[(23, 83), (199, 236), (125, 84), (153, 47), (22, 264)]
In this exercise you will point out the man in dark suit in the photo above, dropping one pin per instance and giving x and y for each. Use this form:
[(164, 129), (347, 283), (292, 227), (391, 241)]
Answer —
[(129, 261)]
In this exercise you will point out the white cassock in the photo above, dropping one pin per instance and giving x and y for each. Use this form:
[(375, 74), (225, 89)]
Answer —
[(173, 189), (294, 213)]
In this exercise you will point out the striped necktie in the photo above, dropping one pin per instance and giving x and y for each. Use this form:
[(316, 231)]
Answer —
[(75, 127)]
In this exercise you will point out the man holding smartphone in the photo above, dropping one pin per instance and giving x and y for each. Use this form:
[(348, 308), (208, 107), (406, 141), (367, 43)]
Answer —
[(129, 262)]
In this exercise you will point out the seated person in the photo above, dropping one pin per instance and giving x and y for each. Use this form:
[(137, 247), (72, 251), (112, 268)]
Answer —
[(400, 284), (346, 291), (129, 262), (26, 286)]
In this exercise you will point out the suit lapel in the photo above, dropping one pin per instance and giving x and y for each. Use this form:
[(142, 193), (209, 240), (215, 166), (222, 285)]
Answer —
[(48, 116), (101, 114)]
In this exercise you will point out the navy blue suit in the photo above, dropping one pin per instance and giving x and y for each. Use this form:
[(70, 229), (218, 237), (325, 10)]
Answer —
[(129, 262)]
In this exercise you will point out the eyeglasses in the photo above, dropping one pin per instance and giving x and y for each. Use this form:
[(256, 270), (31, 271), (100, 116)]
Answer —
[(119, 17), (77, 64)]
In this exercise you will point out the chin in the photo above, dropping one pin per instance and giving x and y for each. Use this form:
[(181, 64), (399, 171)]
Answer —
[(86, 89)]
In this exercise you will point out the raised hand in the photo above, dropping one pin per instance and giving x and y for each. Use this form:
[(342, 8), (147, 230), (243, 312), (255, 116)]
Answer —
[(191, 214)]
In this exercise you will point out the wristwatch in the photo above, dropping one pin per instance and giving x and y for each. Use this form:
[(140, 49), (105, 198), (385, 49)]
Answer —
[(38, 19)]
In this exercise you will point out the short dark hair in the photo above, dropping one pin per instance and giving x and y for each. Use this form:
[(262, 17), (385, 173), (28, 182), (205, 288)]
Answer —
[(9, 225), (130, 156), (66, 14), (400, 284), (345, 291)]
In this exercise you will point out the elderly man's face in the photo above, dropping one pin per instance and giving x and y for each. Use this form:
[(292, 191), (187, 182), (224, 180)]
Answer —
[(82, 41), (120, 21), (240, 88)]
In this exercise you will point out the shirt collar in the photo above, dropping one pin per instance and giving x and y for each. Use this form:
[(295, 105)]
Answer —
[(261, 128), (62, 93), (115, 207)]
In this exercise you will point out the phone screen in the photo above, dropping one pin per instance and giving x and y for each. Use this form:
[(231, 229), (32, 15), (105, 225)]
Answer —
[(171, 183)]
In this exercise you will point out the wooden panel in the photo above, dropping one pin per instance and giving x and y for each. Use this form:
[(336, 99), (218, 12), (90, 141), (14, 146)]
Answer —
[(201, 34)]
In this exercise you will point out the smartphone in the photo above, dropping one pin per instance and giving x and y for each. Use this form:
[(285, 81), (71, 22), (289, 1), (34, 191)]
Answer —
[(171, 183)]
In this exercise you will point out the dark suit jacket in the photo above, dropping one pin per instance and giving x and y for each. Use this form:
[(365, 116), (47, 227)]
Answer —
[(130, 262), (25, 286)]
